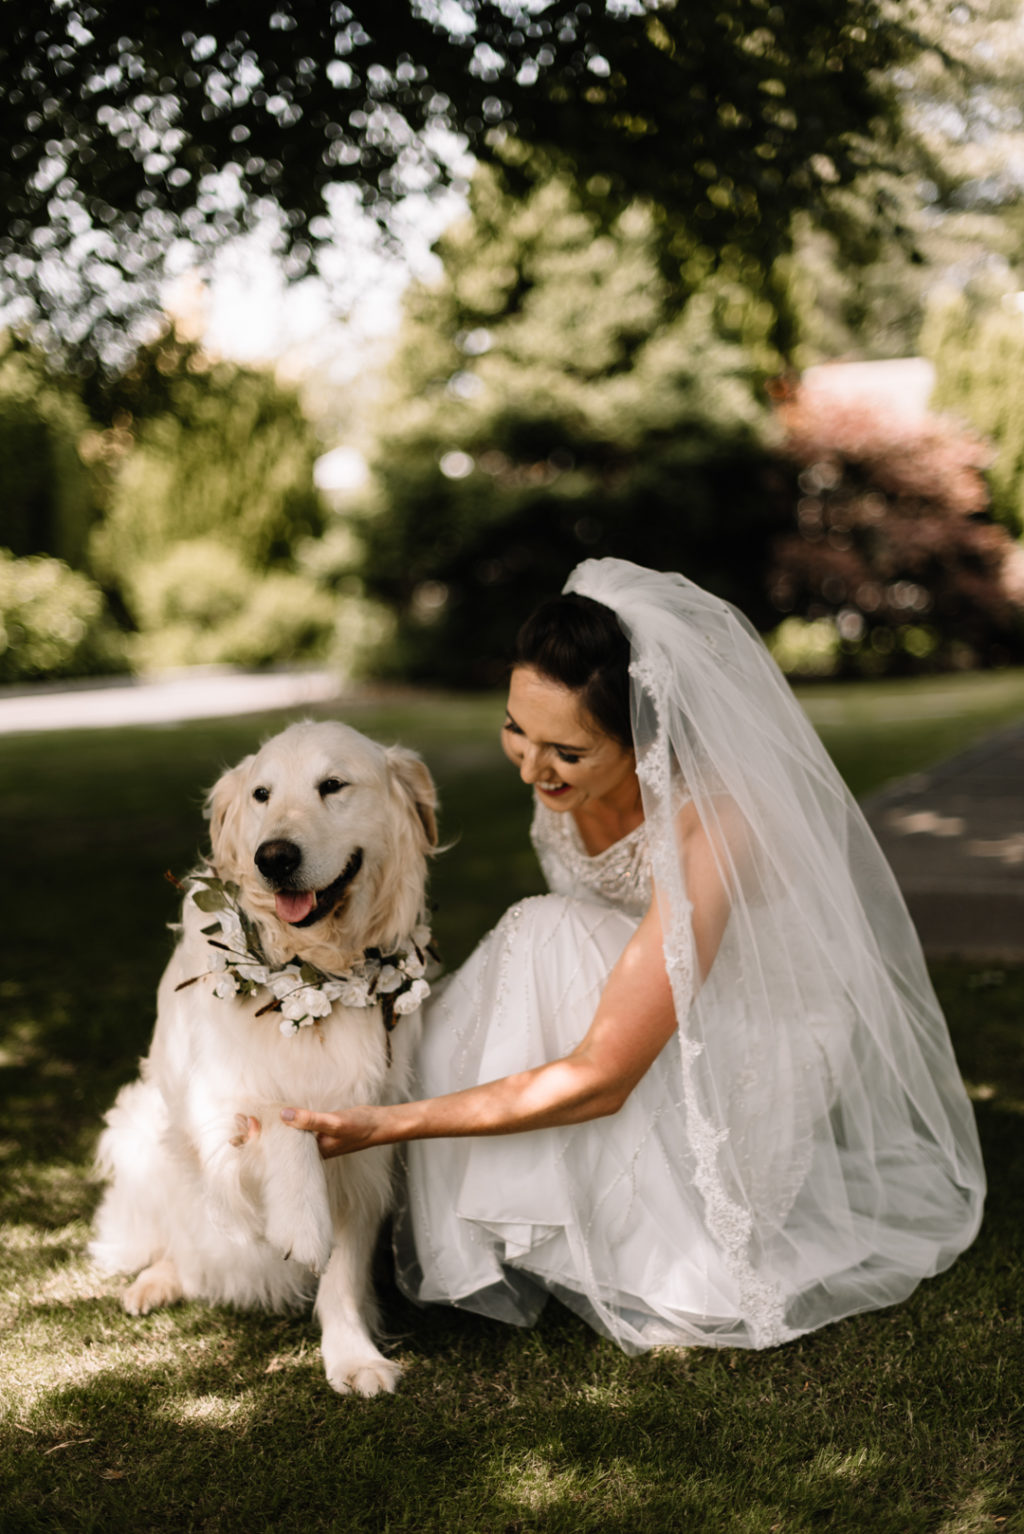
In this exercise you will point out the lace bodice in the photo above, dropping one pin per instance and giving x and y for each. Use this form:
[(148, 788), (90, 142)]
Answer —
[(620, 876)]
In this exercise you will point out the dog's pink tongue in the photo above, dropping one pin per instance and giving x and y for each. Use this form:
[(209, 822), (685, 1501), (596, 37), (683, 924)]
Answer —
[(294, 906)]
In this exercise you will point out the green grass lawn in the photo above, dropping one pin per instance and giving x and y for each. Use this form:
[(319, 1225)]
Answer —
[(197, 1418)]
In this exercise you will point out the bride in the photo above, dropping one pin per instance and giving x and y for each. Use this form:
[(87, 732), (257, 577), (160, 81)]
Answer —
[(702, 1091)]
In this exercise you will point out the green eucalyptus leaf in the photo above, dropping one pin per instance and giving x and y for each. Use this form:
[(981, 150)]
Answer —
[(210, 900)]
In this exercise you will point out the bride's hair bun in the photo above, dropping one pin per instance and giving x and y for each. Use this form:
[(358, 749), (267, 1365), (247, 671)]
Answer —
[(578, 643)]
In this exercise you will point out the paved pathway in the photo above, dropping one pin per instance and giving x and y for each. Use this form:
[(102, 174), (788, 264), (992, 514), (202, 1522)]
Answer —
[(955, 838), (954, 835), (198, 694)]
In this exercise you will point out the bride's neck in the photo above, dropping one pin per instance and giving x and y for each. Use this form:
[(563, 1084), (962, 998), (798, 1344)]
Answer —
[(602, 822)]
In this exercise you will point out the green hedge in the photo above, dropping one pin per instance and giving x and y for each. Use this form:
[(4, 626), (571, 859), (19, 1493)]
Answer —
[(53, 622)]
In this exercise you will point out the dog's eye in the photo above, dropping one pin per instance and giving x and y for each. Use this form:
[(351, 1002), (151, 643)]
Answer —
[(261, 795), (331, 786)]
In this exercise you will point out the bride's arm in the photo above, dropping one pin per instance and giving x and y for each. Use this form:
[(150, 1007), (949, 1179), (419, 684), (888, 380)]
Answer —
[(635, 1018)]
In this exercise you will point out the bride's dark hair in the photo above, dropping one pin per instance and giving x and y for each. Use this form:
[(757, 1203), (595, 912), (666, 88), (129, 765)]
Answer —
[(578, 643)]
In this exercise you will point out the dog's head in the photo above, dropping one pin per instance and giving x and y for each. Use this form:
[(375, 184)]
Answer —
[(327, 833)]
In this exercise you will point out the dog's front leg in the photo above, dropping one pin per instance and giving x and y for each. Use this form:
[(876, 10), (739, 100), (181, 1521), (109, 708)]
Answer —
[(298, 1214), (354, 1365), (229, 1166)]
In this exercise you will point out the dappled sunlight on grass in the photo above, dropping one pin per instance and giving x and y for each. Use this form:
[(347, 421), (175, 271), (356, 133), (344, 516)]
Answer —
[(982, 1509), (535, 1484), (212, 1411), (832, 1464), (988, 1092), (201, 1418), (495, 1429)]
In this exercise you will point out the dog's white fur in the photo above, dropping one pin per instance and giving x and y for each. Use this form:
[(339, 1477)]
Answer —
[(200, 1209)]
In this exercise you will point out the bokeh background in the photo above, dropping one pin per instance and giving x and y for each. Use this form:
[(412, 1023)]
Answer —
[(337, 335)]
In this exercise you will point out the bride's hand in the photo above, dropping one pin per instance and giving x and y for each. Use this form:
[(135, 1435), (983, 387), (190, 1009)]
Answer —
[(337, 1134)]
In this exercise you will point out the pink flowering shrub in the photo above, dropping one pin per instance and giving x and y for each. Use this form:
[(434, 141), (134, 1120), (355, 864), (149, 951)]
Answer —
[(893, 541)]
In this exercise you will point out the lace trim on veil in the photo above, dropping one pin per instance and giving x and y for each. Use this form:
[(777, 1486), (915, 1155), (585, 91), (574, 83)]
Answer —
[(728, 1222)]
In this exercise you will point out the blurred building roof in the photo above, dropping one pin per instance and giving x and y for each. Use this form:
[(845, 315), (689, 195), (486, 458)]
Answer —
[(902, 386)]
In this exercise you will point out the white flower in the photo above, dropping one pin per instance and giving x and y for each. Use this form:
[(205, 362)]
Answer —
[(283, 981), (305, 1001), (391, 978), (413, 998), (412, 965), (226, 987), (317, 1004), (420, 936), (231, 931), (354, 993), (256, 972), (288, 1028)]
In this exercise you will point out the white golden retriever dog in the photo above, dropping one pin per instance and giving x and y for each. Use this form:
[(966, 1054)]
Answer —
[(296, 980)]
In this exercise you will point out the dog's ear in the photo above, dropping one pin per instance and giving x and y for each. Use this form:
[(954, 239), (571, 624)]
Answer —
[(224, 805), (413, 778)]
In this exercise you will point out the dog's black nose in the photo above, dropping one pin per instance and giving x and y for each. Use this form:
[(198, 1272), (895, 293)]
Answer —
[(278, 860)]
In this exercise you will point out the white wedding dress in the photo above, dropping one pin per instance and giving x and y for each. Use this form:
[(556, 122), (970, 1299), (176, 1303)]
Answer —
[(802, 1149), (605, 1215)]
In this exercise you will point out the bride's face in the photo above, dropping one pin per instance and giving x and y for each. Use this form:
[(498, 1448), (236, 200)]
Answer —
[(559, 749)]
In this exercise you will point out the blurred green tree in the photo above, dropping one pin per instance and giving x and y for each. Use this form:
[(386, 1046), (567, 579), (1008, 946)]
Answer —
[(199, 448), (978, 353), (49, 497), (125, 127), (553, 397), (944, 197), (53, 622), (210, 503)]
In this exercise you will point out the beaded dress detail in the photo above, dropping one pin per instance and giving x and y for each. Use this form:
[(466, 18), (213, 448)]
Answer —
[(619, 876)]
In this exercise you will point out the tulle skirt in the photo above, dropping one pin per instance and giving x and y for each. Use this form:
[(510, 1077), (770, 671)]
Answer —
[(612, 1216)]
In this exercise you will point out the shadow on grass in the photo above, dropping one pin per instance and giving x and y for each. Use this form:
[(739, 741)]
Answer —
[(219, 1422), (197, 1418), (903, 1422)]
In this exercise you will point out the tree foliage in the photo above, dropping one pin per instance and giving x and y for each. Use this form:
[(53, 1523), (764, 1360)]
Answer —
[(893, 542), (125, 126), (944, 198), (197, 448), (53, 622), (201, 603), (551, 398), (185, 486), (49, 497), (979, 360)]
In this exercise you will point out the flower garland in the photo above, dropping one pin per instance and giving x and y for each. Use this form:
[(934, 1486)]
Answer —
[(301, 992)]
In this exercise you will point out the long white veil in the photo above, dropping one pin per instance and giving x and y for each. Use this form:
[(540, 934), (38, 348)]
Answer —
[(825, 1142)]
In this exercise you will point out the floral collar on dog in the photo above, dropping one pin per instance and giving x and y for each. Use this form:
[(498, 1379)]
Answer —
[(301, 992)]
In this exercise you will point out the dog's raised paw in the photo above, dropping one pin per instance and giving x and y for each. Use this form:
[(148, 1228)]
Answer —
[(310, 1247), (155, 1286), (364, 1376)]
